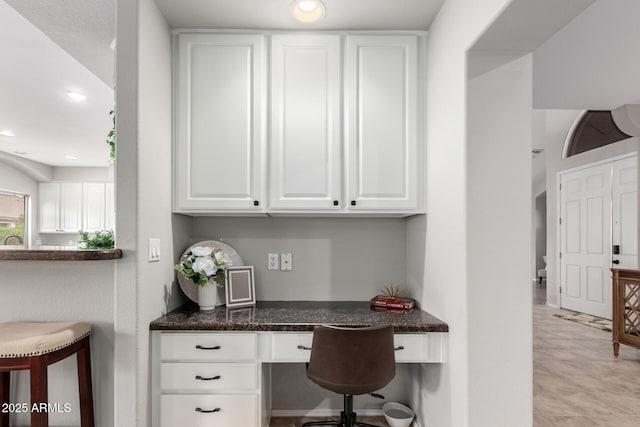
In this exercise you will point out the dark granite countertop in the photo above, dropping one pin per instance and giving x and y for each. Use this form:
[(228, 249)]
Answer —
[(59, 255), (296, 316)]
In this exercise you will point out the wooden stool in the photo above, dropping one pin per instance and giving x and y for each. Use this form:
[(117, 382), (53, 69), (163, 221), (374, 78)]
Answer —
[(35, 346)]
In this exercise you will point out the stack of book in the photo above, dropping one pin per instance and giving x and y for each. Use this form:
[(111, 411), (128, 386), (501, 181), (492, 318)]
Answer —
[(391, 303)]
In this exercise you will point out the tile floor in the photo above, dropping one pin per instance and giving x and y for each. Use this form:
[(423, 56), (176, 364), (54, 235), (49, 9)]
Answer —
[(577, 382), (576, 379)]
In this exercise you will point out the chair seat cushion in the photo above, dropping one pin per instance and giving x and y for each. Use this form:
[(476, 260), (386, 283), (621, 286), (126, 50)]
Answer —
[(23, 339)]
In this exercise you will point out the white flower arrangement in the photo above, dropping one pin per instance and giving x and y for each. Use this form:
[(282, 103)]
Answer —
[(203, 264)]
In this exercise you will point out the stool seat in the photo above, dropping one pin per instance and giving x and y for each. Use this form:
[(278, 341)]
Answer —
[(34, 346), (25, 339)]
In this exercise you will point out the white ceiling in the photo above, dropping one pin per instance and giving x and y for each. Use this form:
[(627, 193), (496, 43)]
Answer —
[(274, 14), (84, 28), (34, 78)]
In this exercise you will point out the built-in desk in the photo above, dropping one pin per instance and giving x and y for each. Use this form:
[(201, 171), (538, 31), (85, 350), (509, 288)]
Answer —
[(215, 367)]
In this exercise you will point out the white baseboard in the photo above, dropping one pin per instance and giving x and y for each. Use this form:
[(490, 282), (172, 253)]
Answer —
[(329, 413), (553, 305)]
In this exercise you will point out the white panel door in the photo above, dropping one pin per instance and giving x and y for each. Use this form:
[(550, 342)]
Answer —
[(625, 213), (598, 210), (305, 122), (585, 212), (93, 206), (219, 137), (48, 207), (381, 93)]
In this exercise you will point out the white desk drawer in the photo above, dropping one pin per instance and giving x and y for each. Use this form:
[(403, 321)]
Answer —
[(227, 410), (208, 346), (284, 347), (208, 376), (410, 347)]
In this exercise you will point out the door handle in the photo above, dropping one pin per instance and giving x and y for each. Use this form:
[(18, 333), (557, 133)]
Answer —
[(615, 261)]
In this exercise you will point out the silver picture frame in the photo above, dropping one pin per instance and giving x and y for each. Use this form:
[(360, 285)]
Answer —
[(240, 286)]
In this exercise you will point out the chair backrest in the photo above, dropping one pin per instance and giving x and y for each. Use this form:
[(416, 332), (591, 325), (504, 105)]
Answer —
[(352, 360)]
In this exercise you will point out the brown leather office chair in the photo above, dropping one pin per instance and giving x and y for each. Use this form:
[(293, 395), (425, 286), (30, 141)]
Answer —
[(351, 361)]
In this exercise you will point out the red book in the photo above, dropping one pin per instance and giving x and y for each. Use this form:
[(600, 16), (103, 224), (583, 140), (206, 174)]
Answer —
[(383, 301)]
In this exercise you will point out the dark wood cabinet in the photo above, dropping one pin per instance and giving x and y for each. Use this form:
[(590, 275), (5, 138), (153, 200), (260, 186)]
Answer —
[(626, 308)]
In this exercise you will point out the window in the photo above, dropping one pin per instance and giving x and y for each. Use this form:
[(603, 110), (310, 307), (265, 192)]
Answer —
[(13, 212), (592, 130)]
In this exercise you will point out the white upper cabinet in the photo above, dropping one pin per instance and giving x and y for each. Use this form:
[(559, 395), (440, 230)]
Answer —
[(71, 206), (110, 207), (60, 207), (381, 101), (342, 134), (219, 134), (305, 158), (94, 202)]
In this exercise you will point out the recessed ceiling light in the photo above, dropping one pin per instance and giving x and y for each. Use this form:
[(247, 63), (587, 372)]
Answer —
[(71, 157), (7, 132), (307, 11), (76, 96)]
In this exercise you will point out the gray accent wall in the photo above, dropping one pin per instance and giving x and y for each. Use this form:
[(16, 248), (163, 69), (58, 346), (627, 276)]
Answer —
[(334, 259)]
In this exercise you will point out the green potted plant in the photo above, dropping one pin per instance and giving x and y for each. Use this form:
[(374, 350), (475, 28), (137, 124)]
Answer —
[(101, 239)]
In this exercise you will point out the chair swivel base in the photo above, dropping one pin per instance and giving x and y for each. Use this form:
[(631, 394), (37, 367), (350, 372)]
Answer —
[(347, 417)]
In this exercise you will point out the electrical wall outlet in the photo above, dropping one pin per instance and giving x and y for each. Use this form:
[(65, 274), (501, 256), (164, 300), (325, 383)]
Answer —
[(272, 261), (154, 250), (286, 261)]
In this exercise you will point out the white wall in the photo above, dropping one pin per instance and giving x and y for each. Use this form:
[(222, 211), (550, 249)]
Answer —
[(499, 245), (156, 289), (334, 259), (294, 394), (12, 179), (555, 127), (81, 174), (126, 193), (441, 395), (540, 233), (64, 291), (593, 62)]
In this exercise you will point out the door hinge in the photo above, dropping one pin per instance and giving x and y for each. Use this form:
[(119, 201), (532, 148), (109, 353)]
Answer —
[(560, 219), (560, 255), (560, 186), (560, 289)]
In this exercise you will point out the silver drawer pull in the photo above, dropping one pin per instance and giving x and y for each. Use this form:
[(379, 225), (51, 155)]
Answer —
[(399, 348), (205, 411), (198, 377), (301, 347), (199, 347)]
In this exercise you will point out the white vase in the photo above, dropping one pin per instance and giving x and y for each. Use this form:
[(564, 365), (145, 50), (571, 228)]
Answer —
[(209, 296)]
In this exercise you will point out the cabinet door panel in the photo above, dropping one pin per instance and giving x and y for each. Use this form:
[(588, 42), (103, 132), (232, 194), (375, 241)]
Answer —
[(381, 98), (94, 206), (70, 207), (219, 135), (305, 143), (49, 207), (110, 211)]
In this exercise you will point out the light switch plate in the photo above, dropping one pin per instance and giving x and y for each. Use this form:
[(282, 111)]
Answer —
[(154, 250), (272, 261), (286, 261)]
